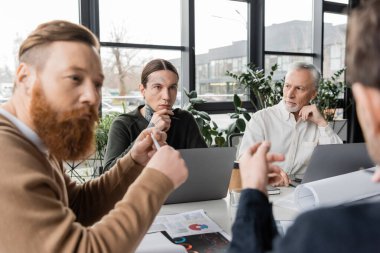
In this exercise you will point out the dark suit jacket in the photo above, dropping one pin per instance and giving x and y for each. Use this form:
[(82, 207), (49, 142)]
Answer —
[(342, 229)]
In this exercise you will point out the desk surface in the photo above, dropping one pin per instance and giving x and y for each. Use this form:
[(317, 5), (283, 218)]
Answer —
[(220, 211)]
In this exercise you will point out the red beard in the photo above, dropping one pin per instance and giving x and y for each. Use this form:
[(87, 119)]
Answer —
[(69, 135)]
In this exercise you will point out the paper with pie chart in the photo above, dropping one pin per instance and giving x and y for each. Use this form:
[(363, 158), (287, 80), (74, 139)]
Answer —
[(184, 224)]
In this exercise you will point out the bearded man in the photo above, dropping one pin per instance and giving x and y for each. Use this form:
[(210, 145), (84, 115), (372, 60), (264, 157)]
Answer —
[(50, 118)]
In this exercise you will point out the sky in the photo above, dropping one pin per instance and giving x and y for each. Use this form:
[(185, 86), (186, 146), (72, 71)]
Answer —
[(158, 24)]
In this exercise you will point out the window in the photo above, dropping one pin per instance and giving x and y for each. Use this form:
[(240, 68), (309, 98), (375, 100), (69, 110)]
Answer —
[(290, 30), (334, 43), (288, 34), (133, 33), (16, 23), (220, 45), (142, 21), (284, 62)]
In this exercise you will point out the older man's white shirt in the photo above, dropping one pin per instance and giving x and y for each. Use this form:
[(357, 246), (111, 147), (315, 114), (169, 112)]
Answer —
[(296, 140)]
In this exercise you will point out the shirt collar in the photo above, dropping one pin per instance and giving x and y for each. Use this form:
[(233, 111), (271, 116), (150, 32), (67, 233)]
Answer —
[(25, 130)]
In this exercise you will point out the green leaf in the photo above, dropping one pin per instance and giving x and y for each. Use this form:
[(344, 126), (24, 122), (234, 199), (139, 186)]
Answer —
[(196, 101), (193, 94), (200, 122), (237, 101), (240, 123), (219, 141), (234, 116), (247, 116), (204, 115), (214, 132)]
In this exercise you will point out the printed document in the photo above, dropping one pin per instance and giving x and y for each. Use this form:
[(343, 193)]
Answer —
[(332, 191), (190, 231)]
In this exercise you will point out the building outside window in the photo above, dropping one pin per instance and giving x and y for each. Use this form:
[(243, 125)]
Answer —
[(16, 23), (131, 35)]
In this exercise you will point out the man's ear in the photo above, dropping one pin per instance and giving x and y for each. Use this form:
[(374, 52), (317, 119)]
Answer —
[(25, 77), (142, 90), (368, 106)]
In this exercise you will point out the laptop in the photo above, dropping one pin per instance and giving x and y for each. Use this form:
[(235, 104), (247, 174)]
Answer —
[(209, 174), (336, 159)]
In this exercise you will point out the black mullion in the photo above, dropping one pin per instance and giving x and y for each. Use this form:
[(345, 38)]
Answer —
[(134, 45), (289, 53), (333, 7)]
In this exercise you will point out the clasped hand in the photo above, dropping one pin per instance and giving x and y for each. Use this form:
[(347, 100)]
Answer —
[(161, 119), (311, 112)]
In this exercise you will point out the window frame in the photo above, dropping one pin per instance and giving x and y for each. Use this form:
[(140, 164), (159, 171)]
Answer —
[(89, 16)]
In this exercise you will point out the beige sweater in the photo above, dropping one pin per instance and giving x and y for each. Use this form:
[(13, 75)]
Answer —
[(42, 210)]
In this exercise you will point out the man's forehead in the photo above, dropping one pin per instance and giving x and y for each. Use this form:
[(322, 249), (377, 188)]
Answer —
[(304, 79), (75, 55), (298, 84), (161, 80)]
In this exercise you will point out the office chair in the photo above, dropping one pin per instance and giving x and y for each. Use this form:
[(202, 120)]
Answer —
[(234, 140)]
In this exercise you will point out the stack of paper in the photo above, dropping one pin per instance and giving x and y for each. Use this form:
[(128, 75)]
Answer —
[(332, 191), (336, 190)]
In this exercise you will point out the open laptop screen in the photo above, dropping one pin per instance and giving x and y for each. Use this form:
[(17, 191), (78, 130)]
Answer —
[(336, 159), (209, 174)]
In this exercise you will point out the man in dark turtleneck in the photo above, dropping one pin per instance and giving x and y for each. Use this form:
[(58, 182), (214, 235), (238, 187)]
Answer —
[(159, 83)]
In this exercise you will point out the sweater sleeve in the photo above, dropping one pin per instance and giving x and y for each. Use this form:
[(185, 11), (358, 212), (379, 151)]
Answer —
[(120, 141), (91, 200), (36, 216), (254, 228)]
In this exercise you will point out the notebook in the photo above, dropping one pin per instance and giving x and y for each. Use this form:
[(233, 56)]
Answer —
[(336, 159), (209, 174)]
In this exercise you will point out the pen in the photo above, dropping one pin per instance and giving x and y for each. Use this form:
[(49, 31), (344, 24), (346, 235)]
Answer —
[(156, 144)]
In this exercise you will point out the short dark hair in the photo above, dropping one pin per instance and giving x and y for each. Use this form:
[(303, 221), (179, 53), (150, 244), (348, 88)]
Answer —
[(156, 65), (363, 44), (56, 30)]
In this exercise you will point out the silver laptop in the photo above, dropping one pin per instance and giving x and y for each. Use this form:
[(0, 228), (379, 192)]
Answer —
[(209, 174), (336, 159)]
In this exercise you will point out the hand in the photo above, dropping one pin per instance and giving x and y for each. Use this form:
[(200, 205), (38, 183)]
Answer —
[(169, 161), (376, 176), (161, 119), (281, 179), (143, 148), (256, 167), (311, 112)]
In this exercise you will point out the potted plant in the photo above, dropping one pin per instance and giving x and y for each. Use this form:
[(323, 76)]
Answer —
[(93, 166), (208, 128), (329, 91), (264, 92)]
